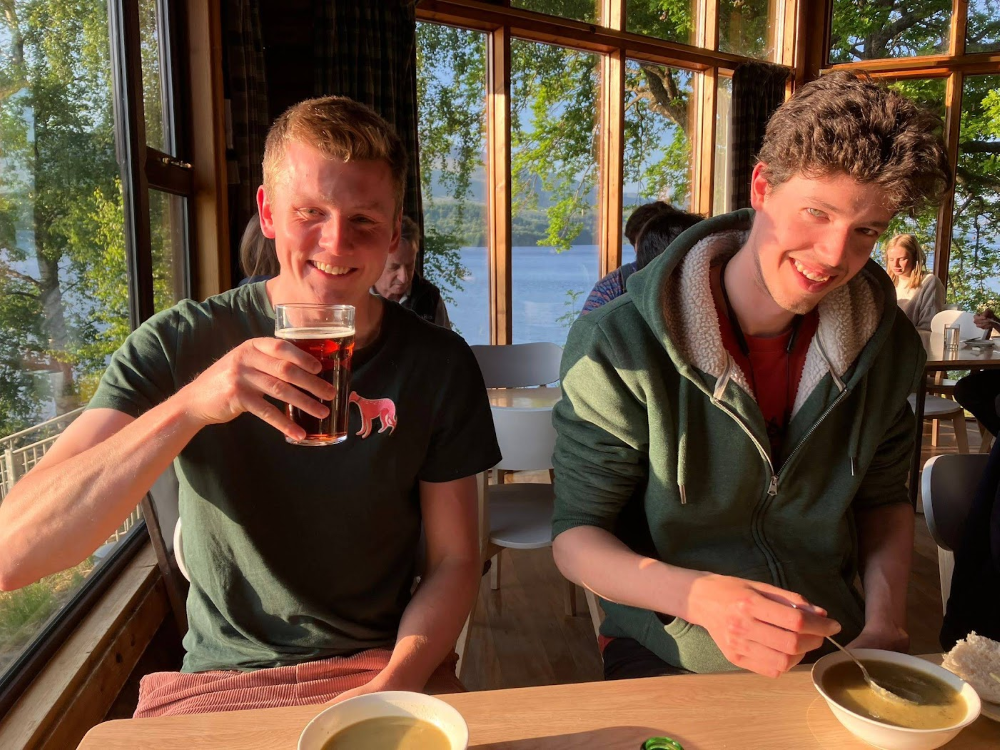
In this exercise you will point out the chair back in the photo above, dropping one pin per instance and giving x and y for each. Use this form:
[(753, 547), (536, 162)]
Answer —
[(964, 320), (519, 365), (948, 486), (526, 437), (161, 512)]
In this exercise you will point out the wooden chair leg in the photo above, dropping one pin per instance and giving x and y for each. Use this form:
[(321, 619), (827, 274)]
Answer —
[(462, 646), (985, 439), (569, 595), (961, 434), (595, 611), (935, 429), (495, 572)]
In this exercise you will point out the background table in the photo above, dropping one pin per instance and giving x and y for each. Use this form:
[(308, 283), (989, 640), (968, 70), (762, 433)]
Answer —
[(544, 397), (939, 360), (702, 712)]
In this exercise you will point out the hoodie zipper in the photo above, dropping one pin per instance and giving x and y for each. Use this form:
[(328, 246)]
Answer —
[(772, 488)]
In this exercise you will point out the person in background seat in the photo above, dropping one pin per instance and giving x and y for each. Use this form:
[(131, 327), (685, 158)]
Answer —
[(401, 283), (670, 222), (920, 294)]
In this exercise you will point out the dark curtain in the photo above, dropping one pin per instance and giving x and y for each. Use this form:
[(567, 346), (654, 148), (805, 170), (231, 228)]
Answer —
[(367, 51), (758, 90), (247, 120)]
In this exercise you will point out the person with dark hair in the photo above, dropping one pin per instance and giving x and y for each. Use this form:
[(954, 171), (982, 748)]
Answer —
[(734, 437), (670, 222), (401, 283), (258, 258)]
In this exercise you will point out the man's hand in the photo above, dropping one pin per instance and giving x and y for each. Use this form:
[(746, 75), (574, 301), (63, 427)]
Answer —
[(382, 681), (257, 368), (986, 321), (882, 635), (756, 625)]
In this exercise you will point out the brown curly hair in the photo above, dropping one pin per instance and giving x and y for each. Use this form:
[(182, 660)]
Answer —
[(850, 124)]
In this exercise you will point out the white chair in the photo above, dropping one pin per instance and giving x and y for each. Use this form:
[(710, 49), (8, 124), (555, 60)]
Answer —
[(519, 365), (938, 408), (948, 486)]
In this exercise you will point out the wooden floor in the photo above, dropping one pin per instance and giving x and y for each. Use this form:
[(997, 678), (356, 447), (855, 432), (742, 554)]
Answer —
[(522, 637)]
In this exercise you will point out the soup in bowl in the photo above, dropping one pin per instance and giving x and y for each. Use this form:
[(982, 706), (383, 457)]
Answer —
[(947, 703), (388, 721)]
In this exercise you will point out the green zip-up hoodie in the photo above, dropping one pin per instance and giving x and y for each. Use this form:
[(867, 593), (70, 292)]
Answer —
[(661, 442)]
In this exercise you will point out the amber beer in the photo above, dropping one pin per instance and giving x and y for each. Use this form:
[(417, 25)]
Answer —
[(327, 333)]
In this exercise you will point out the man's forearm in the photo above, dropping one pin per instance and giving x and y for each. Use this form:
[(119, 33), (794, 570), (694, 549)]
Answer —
[(595, 559), (885, 537), (431, 623), (60, 512)]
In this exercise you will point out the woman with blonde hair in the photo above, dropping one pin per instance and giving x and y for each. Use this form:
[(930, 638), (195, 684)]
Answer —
[(920, 294)]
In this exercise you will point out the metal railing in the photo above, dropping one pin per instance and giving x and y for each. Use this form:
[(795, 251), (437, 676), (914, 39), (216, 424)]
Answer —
[(22, 450)]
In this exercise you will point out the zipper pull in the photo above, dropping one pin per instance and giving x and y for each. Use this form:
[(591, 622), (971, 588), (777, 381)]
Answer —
[(773, 489)]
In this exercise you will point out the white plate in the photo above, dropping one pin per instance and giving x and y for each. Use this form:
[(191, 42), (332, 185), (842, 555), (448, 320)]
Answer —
[(991, 710), (979, 343)]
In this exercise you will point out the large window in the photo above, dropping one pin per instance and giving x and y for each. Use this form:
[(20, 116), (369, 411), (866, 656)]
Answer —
[(589, 126), (974, 270), (876, 30), (959, 238), (555, 258), (69, 284), (451, 102)]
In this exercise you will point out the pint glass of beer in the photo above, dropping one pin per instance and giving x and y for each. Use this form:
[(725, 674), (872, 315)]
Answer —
[(327, 333)]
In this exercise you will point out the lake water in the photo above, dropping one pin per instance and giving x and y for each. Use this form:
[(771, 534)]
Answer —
[(544, 284)]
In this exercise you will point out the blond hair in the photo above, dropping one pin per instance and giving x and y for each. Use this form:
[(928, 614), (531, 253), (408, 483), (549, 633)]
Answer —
[(914, 252), (339, 128)]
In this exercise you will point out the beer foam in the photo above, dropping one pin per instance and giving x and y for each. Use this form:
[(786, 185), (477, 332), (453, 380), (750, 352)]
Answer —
[(315, 332)]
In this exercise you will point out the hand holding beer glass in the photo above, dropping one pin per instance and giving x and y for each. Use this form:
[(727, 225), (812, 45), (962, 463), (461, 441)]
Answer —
[(327, 333)]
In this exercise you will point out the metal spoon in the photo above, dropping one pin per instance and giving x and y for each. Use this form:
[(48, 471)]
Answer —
[(879, 690)]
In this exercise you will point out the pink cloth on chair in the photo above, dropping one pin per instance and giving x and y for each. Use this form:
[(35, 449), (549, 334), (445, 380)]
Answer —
[(176, 693)]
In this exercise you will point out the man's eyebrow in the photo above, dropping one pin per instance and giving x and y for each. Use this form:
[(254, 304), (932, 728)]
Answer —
[(820, 203)]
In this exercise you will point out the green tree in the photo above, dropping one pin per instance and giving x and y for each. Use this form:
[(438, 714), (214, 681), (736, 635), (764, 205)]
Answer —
[(63, 278)]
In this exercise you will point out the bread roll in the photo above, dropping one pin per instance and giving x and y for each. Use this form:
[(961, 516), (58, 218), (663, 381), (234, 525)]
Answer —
[(977, 661)]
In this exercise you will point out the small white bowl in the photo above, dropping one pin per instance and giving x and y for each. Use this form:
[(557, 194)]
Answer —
[(371, 706), (886, 736)]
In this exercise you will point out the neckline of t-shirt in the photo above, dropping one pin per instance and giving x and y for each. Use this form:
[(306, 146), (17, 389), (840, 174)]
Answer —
[(360, 355)]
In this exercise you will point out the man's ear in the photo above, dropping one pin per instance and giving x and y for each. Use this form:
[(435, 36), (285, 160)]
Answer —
[(264, 210), (759, 186), (397, 232)]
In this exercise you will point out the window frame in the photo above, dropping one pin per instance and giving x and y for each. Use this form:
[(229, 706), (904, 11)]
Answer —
[(608, 38), (142, 169)]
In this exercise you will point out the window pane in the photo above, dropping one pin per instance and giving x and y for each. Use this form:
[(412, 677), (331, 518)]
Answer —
[(747, 27), (722, 196), (63, 277), (872, 31), (554, 170), (154, 91), (672, 21), (929, 94), (451, 104), (657, 125), (578, 10), (167, 220), (974, 265), (983, 31)]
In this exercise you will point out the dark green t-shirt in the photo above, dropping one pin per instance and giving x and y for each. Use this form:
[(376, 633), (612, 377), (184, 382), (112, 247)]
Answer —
[(300, 553)]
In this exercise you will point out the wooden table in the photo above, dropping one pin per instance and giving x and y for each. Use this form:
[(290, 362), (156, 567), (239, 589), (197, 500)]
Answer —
[(702, 712), (544, 397), (939, 360)]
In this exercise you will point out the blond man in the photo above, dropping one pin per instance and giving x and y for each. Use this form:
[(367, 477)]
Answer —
[(301, 559)]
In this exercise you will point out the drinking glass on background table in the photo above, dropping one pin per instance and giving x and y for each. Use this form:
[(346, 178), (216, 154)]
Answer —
[(327, 333), (952, 337)]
